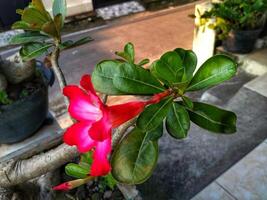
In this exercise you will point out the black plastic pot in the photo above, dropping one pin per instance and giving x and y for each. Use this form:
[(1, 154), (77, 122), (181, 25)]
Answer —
[(241, 41), (23, 118)]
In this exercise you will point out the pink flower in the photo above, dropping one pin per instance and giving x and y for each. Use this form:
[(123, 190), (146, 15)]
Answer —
[(96, 120)]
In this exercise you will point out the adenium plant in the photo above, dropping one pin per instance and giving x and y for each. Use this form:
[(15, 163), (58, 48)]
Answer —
[(164, 84)]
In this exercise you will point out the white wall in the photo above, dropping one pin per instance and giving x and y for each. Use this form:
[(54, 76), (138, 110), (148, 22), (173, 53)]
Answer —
[(74, 6)]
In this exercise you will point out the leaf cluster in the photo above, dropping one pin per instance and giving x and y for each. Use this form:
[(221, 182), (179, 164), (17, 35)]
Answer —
[(235, 15), (42, 31), (136, 156)]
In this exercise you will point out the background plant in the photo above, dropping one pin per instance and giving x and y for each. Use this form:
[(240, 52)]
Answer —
[(235, 15)]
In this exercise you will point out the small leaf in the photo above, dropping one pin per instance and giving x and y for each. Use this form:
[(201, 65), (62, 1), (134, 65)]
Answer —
[(76, 171), (189, 60), (60, 7), (153, 115), (129, 50), (103, 75), (58, 23), (168, 68), (50, 29), (135, 158), (178, 121), (25, 26), (34, 17), (212, 118), (136, 80), (27, 37), (143, 62), (70, 44), (110, 181), (187, 102), (33, 50), (38, 4), (214, 71)]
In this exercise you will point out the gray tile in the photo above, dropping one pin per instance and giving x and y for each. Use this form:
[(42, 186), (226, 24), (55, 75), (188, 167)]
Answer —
[(213, 192), (247, 180)]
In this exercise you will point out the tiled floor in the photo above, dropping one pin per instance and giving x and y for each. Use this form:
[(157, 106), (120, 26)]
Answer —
[(247, 180)]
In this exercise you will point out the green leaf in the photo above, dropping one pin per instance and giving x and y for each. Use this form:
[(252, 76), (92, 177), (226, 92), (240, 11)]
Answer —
[(76, 171), (214, 71), (153, 115), (38, 4), (136, 80), (70, 44), (212, 118), (187, 102), (189, 60), (33, 50), (34, 17), (109, 181), (143, 62), (178, 121), (27, 37), (135, 158), (60, 7), (25, 26), (129, 50), (103, 75), (168, 68), (128, 54)]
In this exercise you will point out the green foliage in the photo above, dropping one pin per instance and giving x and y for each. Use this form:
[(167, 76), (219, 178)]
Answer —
[(39, 27), (177, 121), (153, 115), (4, 99), (135, 157), (214, 71), (236, 15), (212, 118)]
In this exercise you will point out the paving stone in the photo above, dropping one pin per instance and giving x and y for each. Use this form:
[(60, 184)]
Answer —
[(213, 192), (247, 180)]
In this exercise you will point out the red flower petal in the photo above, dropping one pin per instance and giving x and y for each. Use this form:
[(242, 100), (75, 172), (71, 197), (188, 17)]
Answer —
[(86, 83), (101, 129), (64, 186), (78, 135), (82, 107), (121, 113), (100, 165)]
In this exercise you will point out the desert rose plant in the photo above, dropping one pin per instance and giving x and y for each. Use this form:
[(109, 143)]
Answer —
[(131, 156)]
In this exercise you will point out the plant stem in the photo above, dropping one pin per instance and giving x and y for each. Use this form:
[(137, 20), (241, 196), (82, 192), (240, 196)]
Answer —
[(58, 72)]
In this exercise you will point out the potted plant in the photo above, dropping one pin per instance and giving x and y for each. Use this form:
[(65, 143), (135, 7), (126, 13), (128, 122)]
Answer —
[(238, 23), (24, 82)]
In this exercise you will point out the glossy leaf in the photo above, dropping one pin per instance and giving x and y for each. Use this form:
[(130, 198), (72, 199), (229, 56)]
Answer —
[(27, 37), (178, 121), (214, 71), (187, 102), (33, 50), (133, 79), (103, 75), (60, 7), (135, 158), (76, 171), (212, 118), (168, 68), (189, 60), (153, 115)]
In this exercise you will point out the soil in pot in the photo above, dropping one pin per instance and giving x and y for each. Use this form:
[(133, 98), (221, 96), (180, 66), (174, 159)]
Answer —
[(241, 41), (26, 111)]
